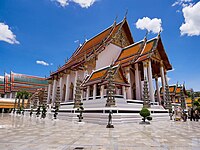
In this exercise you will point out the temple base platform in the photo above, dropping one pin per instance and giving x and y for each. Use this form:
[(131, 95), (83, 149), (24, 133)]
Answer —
[(125, 111)]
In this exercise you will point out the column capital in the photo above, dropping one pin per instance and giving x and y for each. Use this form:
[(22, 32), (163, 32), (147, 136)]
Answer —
[(156, 77), (145, 64), (60, 75), (50, 81), (127, 70), (161, 63)]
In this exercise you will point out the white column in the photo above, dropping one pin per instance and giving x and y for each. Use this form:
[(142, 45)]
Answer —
[(76, 76), (145, 71), (124, 91), (158, 90), (166, 80), (163, 80), (151, 89), (128, 76), (54, 91), (137, 82), (61, 91), (141, 85), (88, 93), (49, 93), (67, 88), (102, 91), (94, 91), (10, 94)]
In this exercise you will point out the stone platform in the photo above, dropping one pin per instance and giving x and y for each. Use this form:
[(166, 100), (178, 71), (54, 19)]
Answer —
[(125, 111)]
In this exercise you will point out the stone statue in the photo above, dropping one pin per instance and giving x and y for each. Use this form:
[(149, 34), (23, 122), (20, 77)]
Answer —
[(109, 125)]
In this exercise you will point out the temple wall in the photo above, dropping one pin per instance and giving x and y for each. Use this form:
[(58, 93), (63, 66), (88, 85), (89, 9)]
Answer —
[(107, 56)]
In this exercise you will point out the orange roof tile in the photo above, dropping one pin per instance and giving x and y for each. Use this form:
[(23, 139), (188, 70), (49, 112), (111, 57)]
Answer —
[(130, 51), (171, 89), (148, 47), (98, 74), (178, 89), (95, 43)]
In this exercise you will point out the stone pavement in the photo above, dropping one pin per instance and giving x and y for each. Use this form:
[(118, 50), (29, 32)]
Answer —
[(25, 133)]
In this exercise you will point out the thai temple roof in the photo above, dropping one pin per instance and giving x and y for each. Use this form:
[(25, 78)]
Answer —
[(141, 51), (174, 89), (15, 82), (130, 54), (95, 44), (99, 76)]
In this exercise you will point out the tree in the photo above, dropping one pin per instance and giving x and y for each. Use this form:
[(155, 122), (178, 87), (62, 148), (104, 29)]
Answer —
[(21, 95), (144, 113), (196, 103)]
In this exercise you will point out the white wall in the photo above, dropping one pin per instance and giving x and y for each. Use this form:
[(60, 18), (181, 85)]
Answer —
[(108, 55)]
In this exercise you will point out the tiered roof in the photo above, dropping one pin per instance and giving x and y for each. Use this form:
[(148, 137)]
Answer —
[(95, 45), (99, 76), (15, 82), (143, 50), (174, 90), (27, 82)]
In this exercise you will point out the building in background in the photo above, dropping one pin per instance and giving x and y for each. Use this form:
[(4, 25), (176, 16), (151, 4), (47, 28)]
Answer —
[(175, 94), (13, 82)]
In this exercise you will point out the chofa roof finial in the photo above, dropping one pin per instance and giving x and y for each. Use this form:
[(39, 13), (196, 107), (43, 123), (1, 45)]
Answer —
[(159, 32), (125, 16)]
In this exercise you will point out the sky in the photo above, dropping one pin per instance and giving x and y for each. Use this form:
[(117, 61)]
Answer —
[(36, 36)]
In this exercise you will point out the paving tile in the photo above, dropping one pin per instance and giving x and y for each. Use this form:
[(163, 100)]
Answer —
[(22, 133)]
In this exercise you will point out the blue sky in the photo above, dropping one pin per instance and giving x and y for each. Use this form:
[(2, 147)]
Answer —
[(45, 30)]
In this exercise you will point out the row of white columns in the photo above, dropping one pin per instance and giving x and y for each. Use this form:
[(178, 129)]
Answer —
[(101, 91), (61, 91), (127, 92), (147, 69)]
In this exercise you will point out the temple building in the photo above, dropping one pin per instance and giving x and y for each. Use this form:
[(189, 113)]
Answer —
[(175, 94), (132, 63), (13, 82)]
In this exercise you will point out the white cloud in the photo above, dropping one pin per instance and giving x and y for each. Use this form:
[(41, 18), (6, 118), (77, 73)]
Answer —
[(182, 3), (191, 26), (41, 62), (7, 35), (160, 81), (63, 3), (82, 3), (152, 25)]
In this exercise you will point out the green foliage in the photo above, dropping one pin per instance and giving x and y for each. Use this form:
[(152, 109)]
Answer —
[(188, 94), (23, 94), (196, 103), (149, 118), (144, 112), (198, 100), (198, 108)]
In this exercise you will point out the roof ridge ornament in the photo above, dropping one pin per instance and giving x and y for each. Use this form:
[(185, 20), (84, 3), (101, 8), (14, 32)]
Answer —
[(158, 36), (125, 16), (115, 21), (145, 37)]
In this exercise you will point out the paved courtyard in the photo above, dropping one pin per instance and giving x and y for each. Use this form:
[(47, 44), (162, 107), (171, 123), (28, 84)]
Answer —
[(25, 133)]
